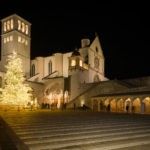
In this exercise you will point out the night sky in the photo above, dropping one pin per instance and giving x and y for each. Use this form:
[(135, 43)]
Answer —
[(123, 29)]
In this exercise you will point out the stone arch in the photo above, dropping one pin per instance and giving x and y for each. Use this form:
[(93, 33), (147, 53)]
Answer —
[(137, 105), (113, 105), (53, 96), (146, 101), (106, 102), (120, 103), (128, 103)]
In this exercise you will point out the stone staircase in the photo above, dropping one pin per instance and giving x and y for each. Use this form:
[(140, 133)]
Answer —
[(45, 130)]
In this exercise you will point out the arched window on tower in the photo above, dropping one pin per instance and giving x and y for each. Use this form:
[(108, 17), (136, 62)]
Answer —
[(8, 25), (5, 27), (33, 70), (50, 67), (19, 25), (26, 29), (11, 23), (23, 27)]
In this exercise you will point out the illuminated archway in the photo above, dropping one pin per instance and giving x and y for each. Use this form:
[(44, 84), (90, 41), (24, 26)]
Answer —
[(120, 105), (127, 104), (66, 97), (53, 97), (113, 105), (137, 105), (106, 102), (147, 104)]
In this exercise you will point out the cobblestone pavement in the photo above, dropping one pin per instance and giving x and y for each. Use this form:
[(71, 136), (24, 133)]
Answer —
[(46, 130)]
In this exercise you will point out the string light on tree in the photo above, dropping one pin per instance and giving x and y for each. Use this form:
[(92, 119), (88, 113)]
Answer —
[(15, 91)]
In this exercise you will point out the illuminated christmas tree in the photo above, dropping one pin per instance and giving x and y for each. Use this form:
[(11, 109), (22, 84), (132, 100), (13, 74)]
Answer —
[(15, 91)]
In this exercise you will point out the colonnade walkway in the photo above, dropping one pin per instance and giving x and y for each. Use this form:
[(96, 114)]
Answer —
[(68, 130)]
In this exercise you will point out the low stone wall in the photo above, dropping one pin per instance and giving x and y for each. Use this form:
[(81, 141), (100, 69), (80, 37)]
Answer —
[(8, 138)]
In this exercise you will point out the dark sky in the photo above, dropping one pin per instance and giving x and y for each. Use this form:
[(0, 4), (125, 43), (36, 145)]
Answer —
[(123, 29)]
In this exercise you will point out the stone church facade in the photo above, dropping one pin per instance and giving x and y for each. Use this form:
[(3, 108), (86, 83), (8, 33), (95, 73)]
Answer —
[(73, 78)]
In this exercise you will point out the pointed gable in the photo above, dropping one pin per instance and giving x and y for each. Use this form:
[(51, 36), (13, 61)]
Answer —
[(96, 46)]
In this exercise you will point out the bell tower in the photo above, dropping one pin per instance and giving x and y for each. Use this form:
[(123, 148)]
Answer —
[(75, 61), (15, 36)]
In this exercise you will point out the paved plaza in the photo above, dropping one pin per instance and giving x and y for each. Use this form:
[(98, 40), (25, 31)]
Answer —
[(68, 130)]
